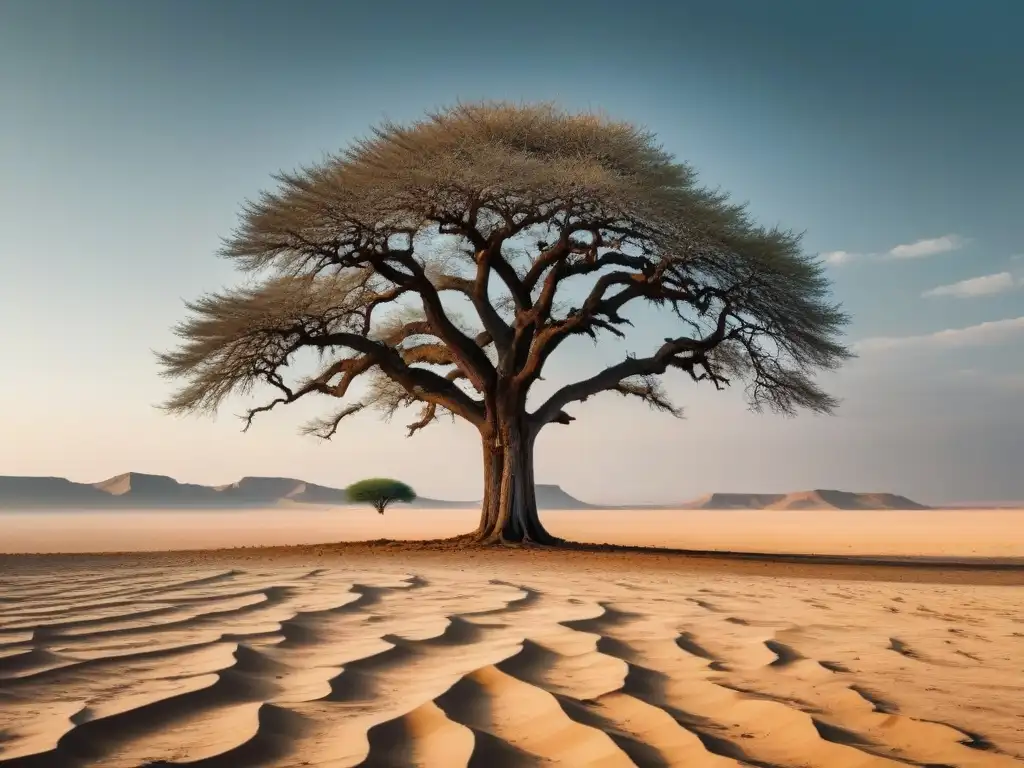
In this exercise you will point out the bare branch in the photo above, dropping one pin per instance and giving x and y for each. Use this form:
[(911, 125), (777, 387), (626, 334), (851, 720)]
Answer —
[(649, 390), (684, 353), (238, 339), (326, 427)]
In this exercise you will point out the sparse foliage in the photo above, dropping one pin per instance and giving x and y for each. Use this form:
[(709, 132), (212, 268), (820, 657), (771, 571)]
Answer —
[(545, 226), (380, 492)]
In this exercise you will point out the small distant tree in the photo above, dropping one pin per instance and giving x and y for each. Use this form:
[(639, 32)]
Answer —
[(445, 262), (380, 491)]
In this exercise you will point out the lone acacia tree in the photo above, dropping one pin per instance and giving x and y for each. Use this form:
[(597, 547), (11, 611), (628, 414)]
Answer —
[(380, 492), (545, 225)]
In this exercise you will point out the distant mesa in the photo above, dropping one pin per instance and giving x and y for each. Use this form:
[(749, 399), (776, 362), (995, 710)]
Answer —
[(135, 490), (272, 490), (817, 499), (154, 487), (845, 500), (553, 497), (49, 492), (734, 501)]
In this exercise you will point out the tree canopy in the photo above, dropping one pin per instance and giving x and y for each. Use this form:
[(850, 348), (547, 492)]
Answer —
[(539, 225), (380, 492)]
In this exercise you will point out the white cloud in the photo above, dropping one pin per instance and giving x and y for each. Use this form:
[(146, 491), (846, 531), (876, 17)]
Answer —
[(915, 250), (981, 335), (986, 285), (928, 247), (1017, 257), (839, 257)]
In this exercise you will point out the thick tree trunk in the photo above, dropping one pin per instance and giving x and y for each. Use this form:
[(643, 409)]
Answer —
[(509, 513), (494, 463)]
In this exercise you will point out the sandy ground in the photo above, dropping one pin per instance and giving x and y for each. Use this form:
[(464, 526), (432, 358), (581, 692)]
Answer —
[(937, 533), (409, 655)]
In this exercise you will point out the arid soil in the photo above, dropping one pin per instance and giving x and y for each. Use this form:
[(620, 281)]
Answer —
[(421, 655)]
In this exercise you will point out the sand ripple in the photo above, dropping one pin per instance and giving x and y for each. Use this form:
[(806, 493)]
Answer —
[(298, 666)]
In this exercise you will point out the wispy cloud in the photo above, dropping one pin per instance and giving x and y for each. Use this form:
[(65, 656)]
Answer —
[(972, 288), (917, 250), (928, 247), (980, 335)]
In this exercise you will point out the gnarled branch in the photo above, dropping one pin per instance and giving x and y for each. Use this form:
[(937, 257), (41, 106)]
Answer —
[(684, 353)]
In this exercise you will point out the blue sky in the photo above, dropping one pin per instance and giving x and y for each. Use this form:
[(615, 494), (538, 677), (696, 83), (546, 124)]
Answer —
[(889, 132)]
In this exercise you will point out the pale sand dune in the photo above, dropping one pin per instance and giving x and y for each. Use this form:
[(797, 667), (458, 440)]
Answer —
[(937, 533), (273, 658)]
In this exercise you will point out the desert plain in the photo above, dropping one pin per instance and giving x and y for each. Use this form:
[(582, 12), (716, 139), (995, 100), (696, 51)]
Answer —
[(868, 638)]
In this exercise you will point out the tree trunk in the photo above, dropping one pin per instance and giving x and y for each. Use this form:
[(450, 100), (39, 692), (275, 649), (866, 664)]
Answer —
[(494, 463), (509, 513)]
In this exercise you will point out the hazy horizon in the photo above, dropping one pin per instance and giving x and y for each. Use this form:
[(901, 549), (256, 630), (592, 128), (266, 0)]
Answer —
[(153, 493), (889, 133), (947, 534)]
